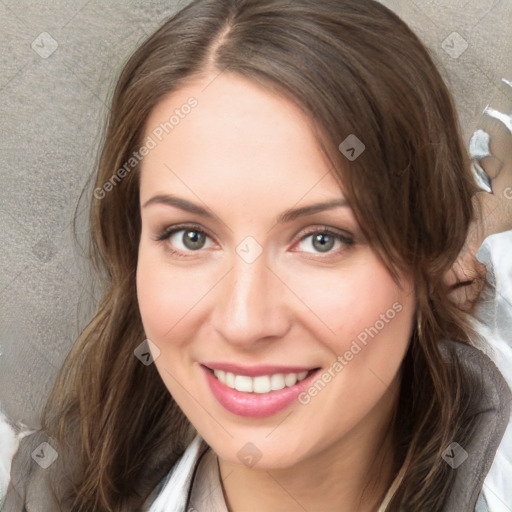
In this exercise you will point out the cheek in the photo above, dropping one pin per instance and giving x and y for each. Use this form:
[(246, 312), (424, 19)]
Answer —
[(358, 302), (375, 307), (166, 295), (152, 298), (370, 322), (164, 299)]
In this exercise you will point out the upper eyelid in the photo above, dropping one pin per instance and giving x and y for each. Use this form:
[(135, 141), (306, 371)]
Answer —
[(341, 234), (344, 238), (309, 230), (174, 228), (326, 229)]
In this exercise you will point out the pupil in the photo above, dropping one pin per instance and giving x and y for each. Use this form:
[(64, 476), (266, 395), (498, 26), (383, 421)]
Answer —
[(193, 240), (323, 246)]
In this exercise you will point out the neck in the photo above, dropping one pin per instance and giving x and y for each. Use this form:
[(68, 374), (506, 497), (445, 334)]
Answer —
[(352, 475)]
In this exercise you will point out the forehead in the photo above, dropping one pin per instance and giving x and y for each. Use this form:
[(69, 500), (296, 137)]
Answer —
[(239, 137)]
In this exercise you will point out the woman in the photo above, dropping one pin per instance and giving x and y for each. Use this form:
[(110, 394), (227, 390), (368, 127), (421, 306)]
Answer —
[(282, 189)]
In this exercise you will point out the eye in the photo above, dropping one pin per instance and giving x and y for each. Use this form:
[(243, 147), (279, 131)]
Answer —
[(184, 239), (324, 240)]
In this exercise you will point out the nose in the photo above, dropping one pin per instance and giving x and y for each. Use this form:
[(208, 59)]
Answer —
[(250, 304)]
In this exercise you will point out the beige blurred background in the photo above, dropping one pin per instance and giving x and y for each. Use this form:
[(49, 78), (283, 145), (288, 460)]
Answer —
[(58, 62)]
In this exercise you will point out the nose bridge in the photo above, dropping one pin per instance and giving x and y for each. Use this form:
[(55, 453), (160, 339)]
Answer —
[(249, 305)]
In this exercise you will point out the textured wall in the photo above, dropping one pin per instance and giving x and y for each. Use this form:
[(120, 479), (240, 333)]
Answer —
[(58, 61)]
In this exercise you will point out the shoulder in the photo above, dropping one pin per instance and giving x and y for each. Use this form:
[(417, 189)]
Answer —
[(490, 416), (25, 456), (495, 390), (492, 403), (174, 490)]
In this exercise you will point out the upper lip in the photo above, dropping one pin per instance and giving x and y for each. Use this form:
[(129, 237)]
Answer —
[(255, 371)]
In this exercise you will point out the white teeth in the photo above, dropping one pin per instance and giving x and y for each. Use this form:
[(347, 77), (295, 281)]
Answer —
[(243, 383), (229, 379), (277, 382), (260, 384), (290, 379)]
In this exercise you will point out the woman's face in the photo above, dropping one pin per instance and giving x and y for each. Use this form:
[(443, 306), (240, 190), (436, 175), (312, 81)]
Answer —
[(278, 330)]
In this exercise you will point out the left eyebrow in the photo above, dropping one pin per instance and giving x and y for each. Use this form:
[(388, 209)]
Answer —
[(180, 203), (286, 216), (295, 213)]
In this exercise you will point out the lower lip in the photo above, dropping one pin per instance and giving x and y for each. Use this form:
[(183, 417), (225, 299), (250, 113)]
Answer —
[(255, 405)]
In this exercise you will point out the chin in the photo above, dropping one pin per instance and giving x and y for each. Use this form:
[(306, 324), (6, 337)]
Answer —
[(260, 451)]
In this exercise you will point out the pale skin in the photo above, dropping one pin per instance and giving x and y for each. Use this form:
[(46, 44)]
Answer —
[(247, 155)]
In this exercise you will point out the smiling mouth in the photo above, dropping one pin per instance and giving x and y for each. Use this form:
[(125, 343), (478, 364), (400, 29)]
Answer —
[(257, 391), (261, 383)]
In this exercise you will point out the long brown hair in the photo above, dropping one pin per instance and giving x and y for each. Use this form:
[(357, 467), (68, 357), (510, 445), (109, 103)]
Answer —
[(355, 69)]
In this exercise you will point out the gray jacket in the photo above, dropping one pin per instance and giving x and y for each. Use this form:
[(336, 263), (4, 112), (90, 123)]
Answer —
[(28, 488)]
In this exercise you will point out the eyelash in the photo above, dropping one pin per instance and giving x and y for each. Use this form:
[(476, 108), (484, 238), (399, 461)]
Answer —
[(346, 240)]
